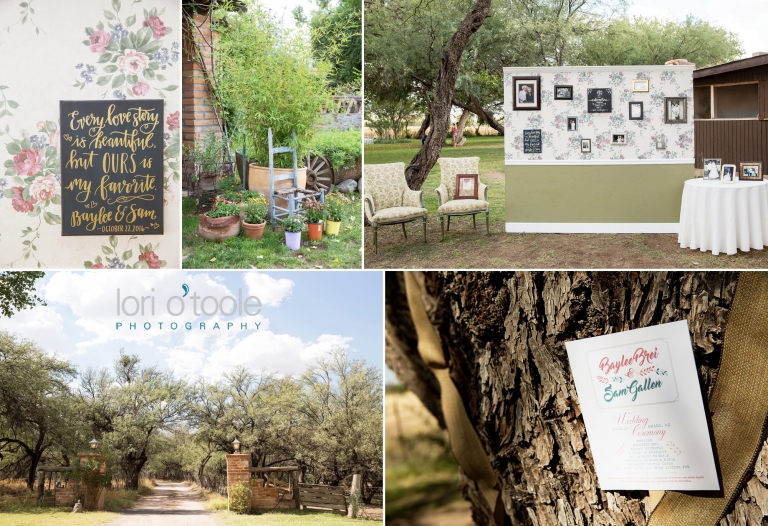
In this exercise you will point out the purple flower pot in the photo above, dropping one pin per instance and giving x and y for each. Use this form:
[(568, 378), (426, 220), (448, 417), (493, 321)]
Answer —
[(293, 240)]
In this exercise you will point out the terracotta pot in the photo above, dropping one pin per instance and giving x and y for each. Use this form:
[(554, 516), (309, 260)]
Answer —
[(293, 240), (332, 227), (254, 230), (315, 231), (219, 228), (258, 179)]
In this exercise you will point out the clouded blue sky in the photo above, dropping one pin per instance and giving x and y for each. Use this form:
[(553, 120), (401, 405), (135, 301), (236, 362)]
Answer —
[(303, 315)]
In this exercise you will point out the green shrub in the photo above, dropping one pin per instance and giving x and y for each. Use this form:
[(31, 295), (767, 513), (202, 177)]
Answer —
[(334, 204), (255, 210), (240, 498), (266, 78), (293, 224), (341, 148)]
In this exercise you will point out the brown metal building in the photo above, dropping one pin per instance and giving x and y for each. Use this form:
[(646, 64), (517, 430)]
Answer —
[(731, 112)]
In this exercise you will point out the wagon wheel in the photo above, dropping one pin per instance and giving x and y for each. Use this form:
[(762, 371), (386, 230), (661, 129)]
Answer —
[(319, 173)]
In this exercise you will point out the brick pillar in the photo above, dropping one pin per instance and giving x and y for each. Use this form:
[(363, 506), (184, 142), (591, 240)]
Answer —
[(98, 503), (198, 115)]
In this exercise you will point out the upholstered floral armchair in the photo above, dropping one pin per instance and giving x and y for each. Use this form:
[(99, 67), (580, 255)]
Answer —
[(388, 200), (448, 205)]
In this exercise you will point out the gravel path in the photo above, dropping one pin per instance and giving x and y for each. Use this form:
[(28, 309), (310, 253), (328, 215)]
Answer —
[(169, 504)]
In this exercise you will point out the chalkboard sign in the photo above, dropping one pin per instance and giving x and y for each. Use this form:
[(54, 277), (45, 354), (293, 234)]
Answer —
[(111, 167), (531, 141), (599, 100)]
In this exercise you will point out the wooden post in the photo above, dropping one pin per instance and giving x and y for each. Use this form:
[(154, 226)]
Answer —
[(355, 497), (295, 488), (40, 486)]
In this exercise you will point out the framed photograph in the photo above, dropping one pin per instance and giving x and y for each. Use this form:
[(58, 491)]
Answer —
[(728, 173), (635, 111), (751, 172), (466, 186), (641, 85), (563, 92), (675, 110), (573, 123), (526, 93), (619, 139), (599, 100), (712, 168), (586, 146)]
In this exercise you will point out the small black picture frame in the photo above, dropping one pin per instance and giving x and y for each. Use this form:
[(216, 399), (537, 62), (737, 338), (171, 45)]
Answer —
[(586, 145), (563, 92), (572, 123), (636, 111), (526, 93)]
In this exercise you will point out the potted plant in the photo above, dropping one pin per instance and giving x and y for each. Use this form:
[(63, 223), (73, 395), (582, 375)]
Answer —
[(334, 205), (254, 217), (267, 77), (293, 226), (314, 213), (221, 222)]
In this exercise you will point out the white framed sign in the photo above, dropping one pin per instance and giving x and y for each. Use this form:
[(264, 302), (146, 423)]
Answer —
[(642, 405)]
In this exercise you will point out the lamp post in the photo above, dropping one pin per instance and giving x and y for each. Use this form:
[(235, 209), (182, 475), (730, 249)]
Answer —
[(236, 445), (94, 444)]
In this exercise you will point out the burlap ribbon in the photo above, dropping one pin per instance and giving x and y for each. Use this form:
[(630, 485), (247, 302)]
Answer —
[(465, 444), (738, 408)]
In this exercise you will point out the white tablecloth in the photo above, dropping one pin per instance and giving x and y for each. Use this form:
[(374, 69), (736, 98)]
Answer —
[(724, 217)]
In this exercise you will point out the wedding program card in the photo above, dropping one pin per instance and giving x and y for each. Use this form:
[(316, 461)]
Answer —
[(643, 409)]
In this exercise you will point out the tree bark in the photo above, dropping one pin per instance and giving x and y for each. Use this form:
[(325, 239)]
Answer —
[(440, 106), (475, 106), (462, 123), (504, 334), (423, 127), (132, 466)]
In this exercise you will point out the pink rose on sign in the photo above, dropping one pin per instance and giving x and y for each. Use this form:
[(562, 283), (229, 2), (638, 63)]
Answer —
[(27, 162), (151, 258), (99, 41), (133, 62), (158, 28), (173, 121), (18, 202), (140, 89), (44, 188)]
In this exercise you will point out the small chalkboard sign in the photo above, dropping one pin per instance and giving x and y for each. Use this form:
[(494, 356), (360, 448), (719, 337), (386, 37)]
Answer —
[(599, 100), (111, 167), (531, 141)]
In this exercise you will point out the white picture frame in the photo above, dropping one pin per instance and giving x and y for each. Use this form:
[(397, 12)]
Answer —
[(728, 174), (619, 139), (641, 85), (712, 168)]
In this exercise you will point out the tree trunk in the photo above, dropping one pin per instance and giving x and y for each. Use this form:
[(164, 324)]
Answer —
[(462, 122), (475, 106), (34, 460), (132, 466), (423, 128), (201, 470), (440, 106), (504, 336)]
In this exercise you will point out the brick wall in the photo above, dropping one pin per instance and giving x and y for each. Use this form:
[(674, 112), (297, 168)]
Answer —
[(198, 112), (238, 469), (64, 496)]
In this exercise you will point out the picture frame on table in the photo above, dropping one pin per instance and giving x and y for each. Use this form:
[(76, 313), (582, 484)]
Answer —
[(641, 85), (572, 123), (563, 92), (619, 139), (466, 186), (526, 93), (586, 146), (712, 168), (675, 110), (636, 111), (751, 171), (728, 174)]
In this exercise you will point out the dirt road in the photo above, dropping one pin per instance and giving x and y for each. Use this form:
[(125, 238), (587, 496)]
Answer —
[(170, 504)]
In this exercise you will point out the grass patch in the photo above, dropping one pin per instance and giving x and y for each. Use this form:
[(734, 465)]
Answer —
[(285, 518), (56, 517), (342, 251), (215, 501)]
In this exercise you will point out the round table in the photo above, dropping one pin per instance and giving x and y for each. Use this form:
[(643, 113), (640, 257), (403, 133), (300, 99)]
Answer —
[(722, 217)]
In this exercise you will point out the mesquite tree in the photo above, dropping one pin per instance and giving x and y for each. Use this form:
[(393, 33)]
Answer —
[(503, 335)]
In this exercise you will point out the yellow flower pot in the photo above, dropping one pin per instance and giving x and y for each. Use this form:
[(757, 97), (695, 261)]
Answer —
[(332, 227)]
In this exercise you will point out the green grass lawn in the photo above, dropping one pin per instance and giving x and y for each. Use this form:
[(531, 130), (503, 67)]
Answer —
[(342, 251), (286, 518), (465, 247), (56, 517)]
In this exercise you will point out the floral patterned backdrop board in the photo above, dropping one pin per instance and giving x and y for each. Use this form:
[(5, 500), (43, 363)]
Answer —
[(561, 144), (86, 50)]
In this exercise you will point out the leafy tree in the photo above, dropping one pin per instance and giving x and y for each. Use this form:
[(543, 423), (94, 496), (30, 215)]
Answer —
[(17, 291), (36, 406), (390, 115), (337, 37), (641, 40)]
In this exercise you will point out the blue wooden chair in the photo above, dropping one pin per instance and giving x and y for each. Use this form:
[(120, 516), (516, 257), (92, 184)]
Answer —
[(293, 196)]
